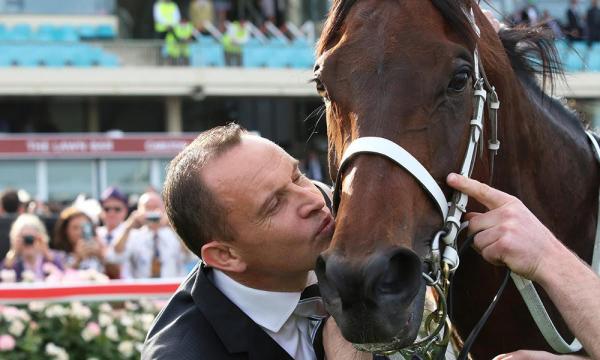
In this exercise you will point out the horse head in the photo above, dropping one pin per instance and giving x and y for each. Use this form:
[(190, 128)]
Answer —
[(400, 70)]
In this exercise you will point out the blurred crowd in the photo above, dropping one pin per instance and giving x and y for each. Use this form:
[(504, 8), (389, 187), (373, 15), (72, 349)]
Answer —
[(580, 23), (102, 235), (229, 21)]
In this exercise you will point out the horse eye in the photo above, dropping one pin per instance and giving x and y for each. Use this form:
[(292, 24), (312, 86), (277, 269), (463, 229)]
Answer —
[(459, 81)]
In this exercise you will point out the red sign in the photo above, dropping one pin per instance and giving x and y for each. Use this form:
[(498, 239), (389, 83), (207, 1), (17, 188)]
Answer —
[(92, 146)]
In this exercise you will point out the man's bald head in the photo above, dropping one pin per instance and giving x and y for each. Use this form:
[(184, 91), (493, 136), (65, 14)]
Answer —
[(150, 201)]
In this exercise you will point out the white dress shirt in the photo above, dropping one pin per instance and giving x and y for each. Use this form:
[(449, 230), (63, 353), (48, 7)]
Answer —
[(273, 312), (109, 239), (136, 259)]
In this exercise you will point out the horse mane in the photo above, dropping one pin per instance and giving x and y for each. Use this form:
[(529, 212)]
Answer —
[(533, 56), (532, 53)]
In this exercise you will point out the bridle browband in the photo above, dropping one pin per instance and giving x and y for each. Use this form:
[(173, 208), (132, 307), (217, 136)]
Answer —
[(444, 263)]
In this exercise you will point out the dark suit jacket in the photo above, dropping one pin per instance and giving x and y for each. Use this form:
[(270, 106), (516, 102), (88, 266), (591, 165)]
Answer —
[(573, 23), (593, 23), (199, 322)]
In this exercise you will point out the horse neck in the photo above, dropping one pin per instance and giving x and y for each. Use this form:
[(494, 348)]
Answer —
[(546, 160)]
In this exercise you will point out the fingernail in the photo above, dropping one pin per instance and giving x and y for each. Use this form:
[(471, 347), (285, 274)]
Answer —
[(452, 177), (502, 357)]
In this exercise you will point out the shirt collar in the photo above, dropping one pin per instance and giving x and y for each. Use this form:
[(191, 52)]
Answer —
[(269, 309)]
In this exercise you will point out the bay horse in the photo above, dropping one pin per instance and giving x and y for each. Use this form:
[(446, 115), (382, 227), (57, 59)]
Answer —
[(403, 70)]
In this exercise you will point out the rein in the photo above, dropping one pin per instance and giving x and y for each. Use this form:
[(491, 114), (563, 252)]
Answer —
[(443, 258)]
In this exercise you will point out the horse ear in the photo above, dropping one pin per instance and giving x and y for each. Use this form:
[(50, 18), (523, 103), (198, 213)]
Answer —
[(222, 256)]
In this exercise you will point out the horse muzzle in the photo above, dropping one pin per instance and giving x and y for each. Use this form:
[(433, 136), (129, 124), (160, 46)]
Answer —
[(378, 301)]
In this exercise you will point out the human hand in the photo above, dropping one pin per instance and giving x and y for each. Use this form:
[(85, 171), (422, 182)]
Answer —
[(45, 250), (336, 347), (164, 220), (508, 233), (536, 355), (136, 219), (84, 249)]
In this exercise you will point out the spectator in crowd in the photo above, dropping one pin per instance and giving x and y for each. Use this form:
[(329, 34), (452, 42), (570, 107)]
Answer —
[(166, 17), (530, 14), (149, 248), (222, 7), (315, 10), (236, 36), (593, 23), (312, 166), (178, 43), (201, 12), (11, 205), (574, 28), (549, 22), (268, 10), (74, 235), (113, 215), (29, 253)]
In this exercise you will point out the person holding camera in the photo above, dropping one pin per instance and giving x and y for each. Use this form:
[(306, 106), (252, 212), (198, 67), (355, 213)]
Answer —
[(74, 234), (149, 248), (29, 253), (114, 212)]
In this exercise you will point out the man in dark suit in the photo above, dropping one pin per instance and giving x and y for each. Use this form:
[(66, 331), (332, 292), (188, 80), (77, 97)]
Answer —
[(593, 23), (573, 28), (241, 204)]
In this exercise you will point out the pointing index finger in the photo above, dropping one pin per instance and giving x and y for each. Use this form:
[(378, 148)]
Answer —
[(488, 196)]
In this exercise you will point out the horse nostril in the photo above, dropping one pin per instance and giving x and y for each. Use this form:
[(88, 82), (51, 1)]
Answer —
[(402, 275)]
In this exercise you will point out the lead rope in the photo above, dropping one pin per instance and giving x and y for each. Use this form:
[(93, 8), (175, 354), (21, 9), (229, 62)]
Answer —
[(531, 298), (533, 301)]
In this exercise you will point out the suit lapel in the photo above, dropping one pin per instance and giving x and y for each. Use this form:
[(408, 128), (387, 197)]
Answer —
[(236, 330)]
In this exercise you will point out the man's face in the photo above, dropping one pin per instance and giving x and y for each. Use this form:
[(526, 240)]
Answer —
[(28, 242), (153, 211), (279, 218), (113, 213)]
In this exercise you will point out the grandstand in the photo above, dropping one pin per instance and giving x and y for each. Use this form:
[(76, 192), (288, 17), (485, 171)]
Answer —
[(92, 66)]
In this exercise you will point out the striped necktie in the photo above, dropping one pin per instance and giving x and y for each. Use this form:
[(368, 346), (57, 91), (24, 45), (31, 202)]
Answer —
[(311, 306)]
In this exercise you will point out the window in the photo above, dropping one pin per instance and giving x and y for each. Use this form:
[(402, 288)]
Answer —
[(69, 178), (164, 164), (19, 174), (131, 176)]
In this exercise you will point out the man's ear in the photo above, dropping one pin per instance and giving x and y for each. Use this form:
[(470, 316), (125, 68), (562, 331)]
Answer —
[(222, 256)]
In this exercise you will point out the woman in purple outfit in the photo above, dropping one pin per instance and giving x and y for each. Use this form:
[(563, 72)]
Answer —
[(29, 256)]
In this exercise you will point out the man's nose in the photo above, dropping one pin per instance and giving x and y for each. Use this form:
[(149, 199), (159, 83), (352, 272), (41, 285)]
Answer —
[(310, 200)]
